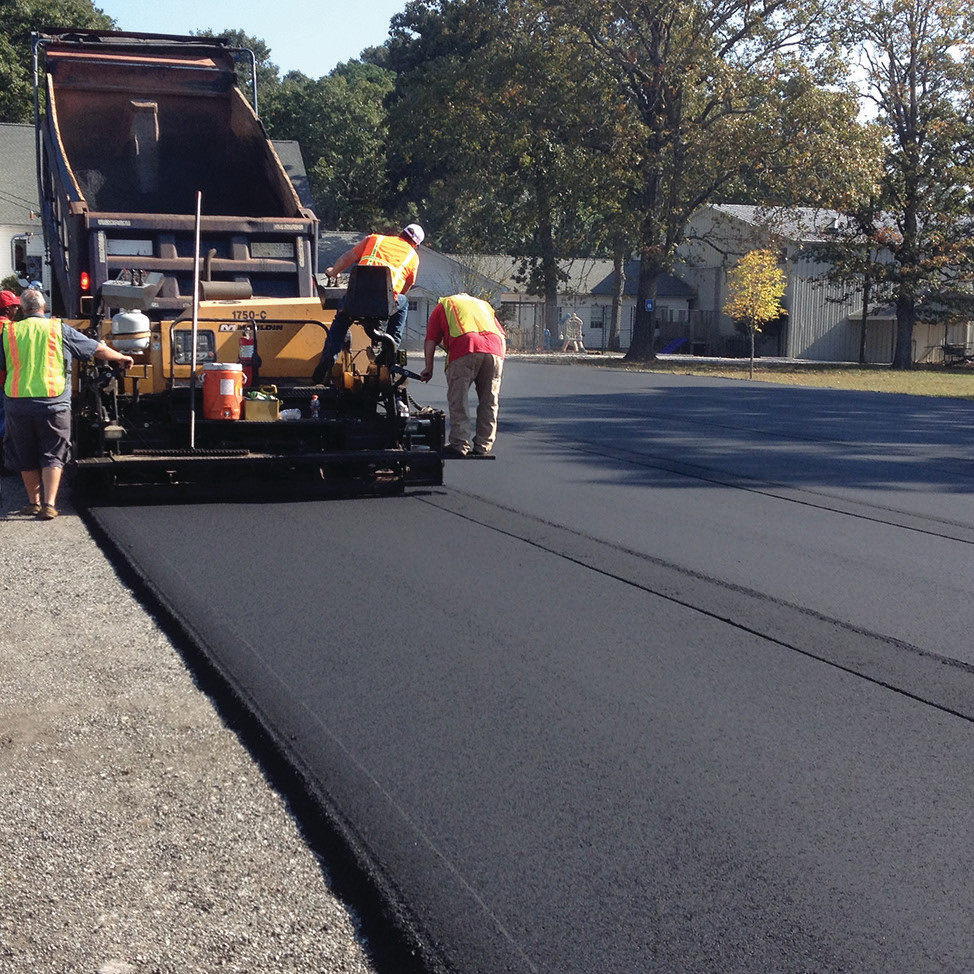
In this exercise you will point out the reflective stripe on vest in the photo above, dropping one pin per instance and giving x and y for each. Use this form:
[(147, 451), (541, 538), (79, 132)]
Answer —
[(35, 358), (392, 252)]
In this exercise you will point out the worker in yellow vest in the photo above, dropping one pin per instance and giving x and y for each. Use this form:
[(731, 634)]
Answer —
[(35, 360), (475, 344)]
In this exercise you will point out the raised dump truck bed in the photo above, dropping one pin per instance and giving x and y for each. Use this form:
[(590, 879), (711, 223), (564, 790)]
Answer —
[(136, 126)]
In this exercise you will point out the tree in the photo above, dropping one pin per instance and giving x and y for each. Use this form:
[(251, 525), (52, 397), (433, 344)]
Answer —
[(725, 91), (19, 19), (342, 124), (920, 78), (507, 136), (755, 287)]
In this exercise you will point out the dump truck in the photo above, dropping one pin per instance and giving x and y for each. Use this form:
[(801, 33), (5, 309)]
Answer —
[(175, 235)]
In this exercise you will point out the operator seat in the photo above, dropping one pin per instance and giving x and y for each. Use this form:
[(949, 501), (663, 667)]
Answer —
[(370, 300), (369, 294)]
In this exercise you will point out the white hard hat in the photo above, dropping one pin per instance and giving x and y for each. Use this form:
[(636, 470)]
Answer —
[(414, 233)]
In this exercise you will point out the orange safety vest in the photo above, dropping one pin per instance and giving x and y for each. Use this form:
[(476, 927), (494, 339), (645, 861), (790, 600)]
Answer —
[(396, 254), (34, 349)]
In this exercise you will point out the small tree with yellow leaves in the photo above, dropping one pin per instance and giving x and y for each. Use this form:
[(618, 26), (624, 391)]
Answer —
[(754, 291)]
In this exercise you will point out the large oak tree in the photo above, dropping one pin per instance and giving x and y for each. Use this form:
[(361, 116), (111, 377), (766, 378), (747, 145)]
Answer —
[(727, 93), (919, 62), (510, 137)]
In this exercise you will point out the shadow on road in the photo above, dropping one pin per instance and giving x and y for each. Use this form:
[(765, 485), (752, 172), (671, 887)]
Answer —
[(797, 436)]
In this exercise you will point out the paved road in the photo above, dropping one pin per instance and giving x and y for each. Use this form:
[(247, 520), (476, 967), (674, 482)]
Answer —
[(682, 682)]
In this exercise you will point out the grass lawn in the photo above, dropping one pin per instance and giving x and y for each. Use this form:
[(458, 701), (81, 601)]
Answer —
[(942, 381)]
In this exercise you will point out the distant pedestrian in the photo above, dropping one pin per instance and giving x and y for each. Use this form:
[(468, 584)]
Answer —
[(35, 362), (475, 345)]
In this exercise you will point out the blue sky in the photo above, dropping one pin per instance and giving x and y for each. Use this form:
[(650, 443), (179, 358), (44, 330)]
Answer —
[(302, 36)]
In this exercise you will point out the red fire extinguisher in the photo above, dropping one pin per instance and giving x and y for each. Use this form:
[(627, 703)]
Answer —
[(245, 356)]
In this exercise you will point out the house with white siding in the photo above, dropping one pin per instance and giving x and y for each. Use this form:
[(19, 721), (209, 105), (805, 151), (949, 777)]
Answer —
[(586, 290)]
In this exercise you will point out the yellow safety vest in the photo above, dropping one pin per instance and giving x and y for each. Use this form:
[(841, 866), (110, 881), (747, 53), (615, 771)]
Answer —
[(34, 349), (466, 315)]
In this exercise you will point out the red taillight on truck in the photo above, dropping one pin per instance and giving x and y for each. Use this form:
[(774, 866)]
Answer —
[(85, 281)]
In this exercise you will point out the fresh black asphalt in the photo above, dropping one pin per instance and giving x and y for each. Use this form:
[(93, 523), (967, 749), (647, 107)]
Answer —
[(682, 682)]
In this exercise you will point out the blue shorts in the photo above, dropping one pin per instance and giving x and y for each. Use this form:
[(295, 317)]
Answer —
[(32, 442)]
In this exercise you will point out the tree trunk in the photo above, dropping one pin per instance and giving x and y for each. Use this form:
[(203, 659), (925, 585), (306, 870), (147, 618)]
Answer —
[(867, 287), (618, 292), (643, 345), (549, 265), (906, 314)]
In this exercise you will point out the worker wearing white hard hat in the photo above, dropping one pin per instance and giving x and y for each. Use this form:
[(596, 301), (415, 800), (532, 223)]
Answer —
[(398, 253)]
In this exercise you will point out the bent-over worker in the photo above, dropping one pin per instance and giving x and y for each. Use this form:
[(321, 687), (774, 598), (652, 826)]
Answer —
[(475, 345)]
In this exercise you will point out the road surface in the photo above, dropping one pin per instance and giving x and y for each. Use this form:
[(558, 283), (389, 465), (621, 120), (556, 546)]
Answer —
[(683, 681)]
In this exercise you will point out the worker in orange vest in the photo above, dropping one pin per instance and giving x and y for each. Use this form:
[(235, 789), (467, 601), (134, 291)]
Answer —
[(398, 253), (475, 345)]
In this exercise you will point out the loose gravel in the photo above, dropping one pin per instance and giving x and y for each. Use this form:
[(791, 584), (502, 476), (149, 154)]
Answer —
[(137, 834)]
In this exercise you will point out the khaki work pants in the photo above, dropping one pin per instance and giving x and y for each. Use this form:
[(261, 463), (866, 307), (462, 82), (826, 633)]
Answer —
[(482, 371)]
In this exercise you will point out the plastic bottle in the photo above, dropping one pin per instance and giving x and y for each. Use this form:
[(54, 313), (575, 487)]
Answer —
[(315, 407)]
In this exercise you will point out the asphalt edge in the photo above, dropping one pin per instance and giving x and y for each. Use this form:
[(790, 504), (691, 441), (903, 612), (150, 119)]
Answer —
[(390, 934)]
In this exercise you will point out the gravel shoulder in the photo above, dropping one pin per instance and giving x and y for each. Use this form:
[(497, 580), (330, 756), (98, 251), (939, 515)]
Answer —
[(137, 834)]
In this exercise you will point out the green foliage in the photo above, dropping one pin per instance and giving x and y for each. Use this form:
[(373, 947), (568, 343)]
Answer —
[(19, 19), (507, 134), (341, 122), (920, 80)]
